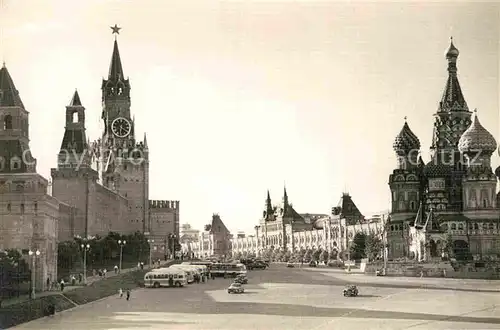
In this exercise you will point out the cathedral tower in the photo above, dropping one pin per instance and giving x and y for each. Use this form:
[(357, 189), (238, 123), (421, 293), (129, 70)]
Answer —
[(405, 180), (479, 184), (124, 161), (446, 168)]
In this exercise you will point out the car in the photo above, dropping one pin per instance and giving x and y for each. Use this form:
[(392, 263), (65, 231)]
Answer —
[(258, 265), (235, 288), (242, 279), (290, 264), (313, 264), (380, 272), (351, 291)]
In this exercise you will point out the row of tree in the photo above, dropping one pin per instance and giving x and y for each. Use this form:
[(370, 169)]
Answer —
[(14, 271), (102, 250), (362, 246)]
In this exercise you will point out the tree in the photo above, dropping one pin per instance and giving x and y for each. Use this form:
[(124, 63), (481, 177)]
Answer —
[(357, 247), (13, 270), (308, 255), (316, 254), (373, 247), (324, 256)]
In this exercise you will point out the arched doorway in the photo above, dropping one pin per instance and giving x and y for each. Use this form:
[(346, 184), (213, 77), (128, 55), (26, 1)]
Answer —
[(461, 250)]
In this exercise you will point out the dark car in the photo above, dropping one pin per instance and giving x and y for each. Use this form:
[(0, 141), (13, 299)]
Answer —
[(258, 265), (313, 264), (242, 279), (350, 291)]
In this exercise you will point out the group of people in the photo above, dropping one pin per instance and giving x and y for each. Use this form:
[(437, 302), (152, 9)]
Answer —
[(120, 293)]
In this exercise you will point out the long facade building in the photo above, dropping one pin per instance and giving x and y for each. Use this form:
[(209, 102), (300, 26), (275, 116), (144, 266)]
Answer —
[(97, 187), (283, 228), (451, 199)]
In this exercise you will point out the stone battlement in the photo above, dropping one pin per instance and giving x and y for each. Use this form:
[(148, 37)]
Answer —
[(163, 204)]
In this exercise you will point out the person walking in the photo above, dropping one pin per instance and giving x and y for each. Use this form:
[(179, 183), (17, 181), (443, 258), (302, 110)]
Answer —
[(128, 294), (120, 292), (62, 284)]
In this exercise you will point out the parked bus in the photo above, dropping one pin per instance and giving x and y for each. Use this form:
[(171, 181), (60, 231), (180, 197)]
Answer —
[(202, 268), (228, 269), (165, 277), (190, 272)]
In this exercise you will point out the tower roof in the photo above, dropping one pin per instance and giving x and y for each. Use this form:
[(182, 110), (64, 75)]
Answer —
[(453, 98), (9, 96), (406, 140), (477, 138), (75, 100), (115, 67)]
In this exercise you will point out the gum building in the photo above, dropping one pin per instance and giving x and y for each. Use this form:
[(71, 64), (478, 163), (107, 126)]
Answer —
[(96, 187)]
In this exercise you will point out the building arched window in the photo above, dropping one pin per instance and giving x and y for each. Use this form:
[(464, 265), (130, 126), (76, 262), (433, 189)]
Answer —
[(75, 117), (7, 122), (22, 208), (2, 163), (484, 203), (476, 226), (453, 226)]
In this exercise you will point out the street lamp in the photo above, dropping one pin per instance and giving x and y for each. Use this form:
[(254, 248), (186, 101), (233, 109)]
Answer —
[(85, 247), (172, 238), (122, 244), (151, 241), (33, 255)]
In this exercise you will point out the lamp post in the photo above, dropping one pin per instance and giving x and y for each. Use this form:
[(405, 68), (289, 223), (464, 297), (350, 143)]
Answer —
[(122, 244), (33, 255), (151, 241), (172, 239), (85, 247)]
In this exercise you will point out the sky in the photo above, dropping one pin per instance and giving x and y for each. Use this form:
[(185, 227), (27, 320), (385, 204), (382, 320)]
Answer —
[(238, 97)]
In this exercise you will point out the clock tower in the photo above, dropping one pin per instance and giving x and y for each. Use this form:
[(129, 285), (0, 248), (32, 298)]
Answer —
[(124, 162)]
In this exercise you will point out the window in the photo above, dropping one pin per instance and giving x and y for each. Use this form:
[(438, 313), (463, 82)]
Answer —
[(2, 163), (484, 203), (7, 122), (15, 163), (75, 117), (460, 226), (22, 208), (491, 226), (35, 207), (8, 207), (476, 226), (453, 226)]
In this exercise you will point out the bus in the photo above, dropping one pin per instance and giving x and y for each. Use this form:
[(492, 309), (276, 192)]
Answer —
[(165, 277), (190, 272), (228, 269), (201, 267)]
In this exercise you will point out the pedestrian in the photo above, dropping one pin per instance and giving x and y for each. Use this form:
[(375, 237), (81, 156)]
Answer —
[(116, 269), (104, 272), (62, 284), (120, 292), (128, 294)]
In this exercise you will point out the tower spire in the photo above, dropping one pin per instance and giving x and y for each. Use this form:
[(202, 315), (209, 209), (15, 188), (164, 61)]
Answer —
[(115, 68), (453, 98)]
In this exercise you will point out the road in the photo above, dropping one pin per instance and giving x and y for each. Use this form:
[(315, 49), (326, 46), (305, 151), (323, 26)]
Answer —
[(281, 298)]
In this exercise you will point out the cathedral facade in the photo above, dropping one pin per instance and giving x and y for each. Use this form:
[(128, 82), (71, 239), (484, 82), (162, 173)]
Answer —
[(451, 201), (97, 187)]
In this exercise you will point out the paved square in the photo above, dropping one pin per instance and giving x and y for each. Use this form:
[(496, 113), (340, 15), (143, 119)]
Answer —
[(280, 298)]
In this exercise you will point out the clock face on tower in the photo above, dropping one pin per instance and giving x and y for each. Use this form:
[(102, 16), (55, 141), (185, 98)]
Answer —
[(121, 127)]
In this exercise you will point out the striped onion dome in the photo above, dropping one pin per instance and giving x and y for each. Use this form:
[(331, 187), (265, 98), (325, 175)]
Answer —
[(477, 138), (406, 141)]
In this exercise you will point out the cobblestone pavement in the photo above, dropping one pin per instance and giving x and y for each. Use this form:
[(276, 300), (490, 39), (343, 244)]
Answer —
[(281, 298)]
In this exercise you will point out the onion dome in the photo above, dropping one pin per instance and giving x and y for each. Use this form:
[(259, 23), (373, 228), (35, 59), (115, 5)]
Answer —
[(406, 141), (477, 138), (452, 50)]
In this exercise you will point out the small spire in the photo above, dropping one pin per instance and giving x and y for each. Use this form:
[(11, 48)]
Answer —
[(75, 100), (145, 140), (116, 30), (3, 64), (405, 118)]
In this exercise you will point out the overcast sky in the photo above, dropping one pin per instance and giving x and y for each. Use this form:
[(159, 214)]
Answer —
[(241, 97)]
